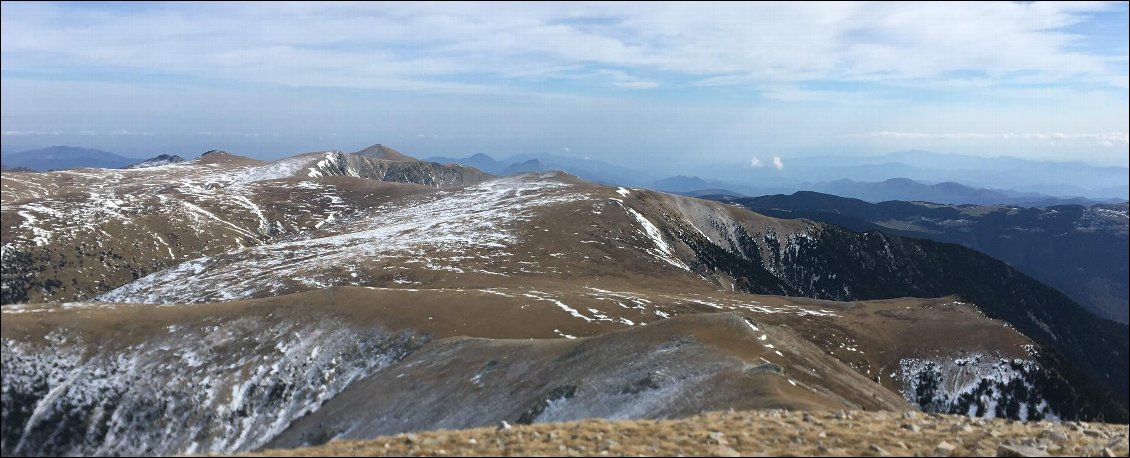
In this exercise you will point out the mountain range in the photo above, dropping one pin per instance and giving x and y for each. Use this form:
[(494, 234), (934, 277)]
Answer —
[(588, 169), (333, 295), (893, 189), (887, 181), (909, 176), (943, 193), (1061, 179)]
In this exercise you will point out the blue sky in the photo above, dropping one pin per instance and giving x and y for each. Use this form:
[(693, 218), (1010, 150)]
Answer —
[(662, 84)]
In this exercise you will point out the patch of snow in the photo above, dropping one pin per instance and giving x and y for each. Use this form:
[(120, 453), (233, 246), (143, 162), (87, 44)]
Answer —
[(562, 334), (662, 250), (572, 311)]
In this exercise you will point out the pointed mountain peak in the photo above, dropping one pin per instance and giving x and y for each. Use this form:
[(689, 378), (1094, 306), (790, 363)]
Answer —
[(380, 151)]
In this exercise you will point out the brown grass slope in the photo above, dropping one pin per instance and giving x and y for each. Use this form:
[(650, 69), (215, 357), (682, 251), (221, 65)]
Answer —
[(493, 355), (751, 433)]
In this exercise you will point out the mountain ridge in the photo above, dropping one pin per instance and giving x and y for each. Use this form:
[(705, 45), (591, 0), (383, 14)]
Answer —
[(66, 157), (365, 269), (1073, 248)]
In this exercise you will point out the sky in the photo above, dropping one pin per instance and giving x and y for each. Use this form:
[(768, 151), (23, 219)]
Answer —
[(658, 84)]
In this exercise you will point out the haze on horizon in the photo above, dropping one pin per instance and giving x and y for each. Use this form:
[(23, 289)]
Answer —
[(660, 85)]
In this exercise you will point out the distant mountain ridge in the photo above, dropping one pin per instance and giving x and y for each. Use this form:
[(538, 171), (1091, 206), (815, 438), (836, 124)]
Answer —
[(66, 157), (588, 169), (532, 165), (1080, 250), (1070, 178), (942, 193), (903, 189), (871, 178), (681, 183)]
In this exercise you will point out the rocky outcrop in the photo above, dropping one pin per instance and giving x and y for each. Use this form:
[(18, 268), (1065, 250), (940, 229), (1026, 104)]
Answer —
[(400, 169), (164, 159)]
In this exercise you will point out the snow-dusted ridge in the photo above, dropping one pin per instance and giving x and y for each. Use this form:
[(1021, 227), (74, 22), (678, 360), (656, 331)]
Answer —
[(436, 229), (224, 386), (118, 224)]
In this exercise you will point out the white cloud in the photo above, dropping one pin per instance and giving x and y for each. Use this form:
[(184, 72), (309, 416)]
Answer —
[(755, 162), (419, 46), (128, 132), (778, 163), (639, 82)]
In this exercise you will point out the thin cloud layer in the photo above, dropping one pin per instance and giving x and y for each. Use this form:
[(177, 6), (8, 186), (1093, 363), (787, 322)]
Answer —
[(434, 47), (655, 83)]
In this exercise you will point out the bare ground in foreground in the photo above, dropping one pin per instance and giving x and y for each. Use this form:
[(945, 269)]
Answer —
[(752, 433)]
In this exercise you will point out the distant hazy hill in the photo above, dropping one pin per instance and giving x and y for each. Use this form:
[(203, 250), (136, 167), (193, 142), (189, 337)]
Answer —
[(1043, 177), (907, 189), (532, 165), (1080, 250), (681, 183), (589, 169), (942, 193), (66, 157)]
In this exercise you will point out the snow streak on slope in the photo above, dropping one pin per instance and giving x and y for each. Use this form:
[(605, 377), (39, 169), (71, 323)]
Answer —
[(662, 250), (437, 230), (224, 386)]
